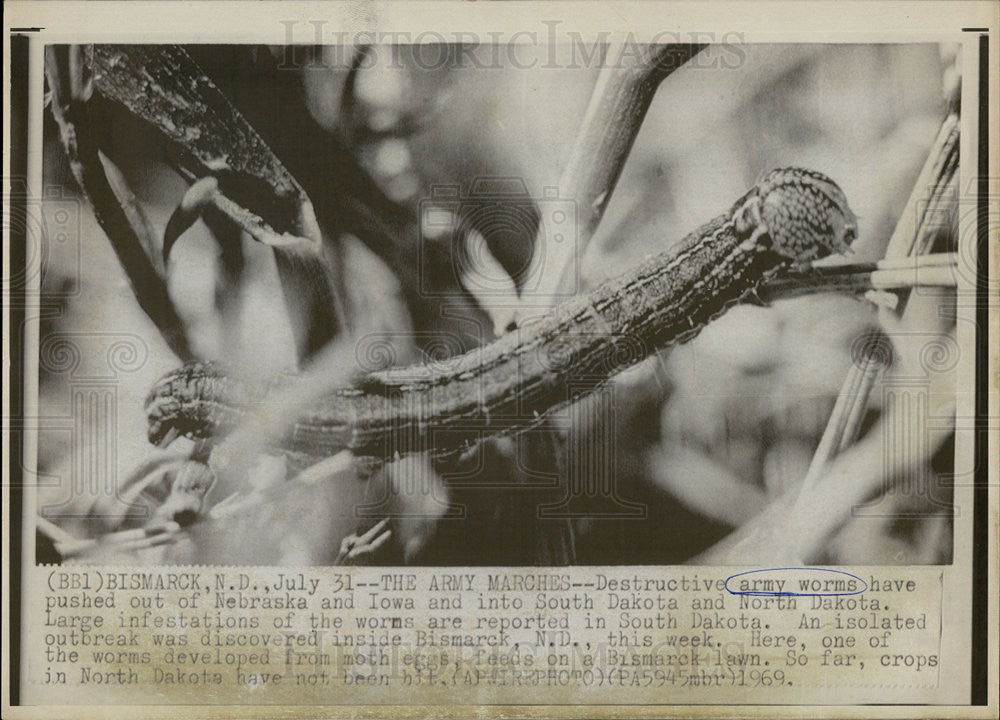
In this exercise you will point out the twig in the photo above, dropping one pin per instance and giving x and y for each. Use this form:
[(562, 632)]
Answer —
[(53, 532), (842, 473), (162, 85), (348, 200), (165, 87), (359, 549), (115, 208), (901, 264), (110, 512), (624, 91), (936, 270), (795, 526), (842, 428), (932, 192)]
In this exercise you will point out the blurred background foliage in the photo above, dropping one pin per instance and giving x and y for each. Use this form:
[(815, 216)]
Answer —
[(703, 436)]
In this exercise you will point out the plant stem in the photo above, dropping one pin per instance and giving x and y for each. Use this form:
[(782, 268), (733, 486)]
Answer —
[(618, 106), (936, 270), (114, 206)]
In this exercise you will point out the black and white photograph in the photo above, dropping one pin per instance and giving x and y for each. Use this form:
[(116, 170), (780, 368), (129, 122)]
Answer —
[(445, 305)]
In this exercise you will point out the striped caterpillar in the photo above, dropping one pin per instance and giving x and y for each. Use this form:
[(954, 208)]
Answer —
[(791, 217)]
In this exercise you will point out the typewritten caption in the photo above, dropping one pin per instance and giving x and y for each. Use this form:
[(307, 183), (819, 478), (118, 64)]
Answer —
[(615, 635)]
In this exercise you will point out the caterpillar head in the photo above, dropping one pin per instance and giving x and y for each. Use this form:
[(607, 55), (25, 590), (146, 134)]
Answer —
[(195, 401), (804, 213)]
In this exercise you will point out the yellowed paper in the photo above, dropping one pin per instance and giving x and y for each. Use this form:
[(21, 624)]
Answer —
[(385, 358)]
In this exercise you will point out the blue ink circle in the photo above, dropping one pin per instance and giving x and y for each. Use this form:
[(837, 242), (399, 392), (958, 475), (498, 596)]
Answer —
[(780, 593)]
